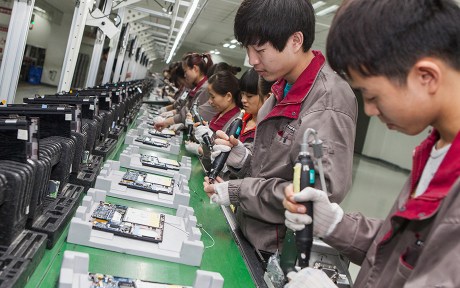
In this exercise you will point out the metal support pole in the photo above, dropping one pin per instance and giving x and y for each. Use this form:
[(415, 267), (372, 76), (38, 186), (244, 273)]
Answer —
[(121, 56), (14, 49), (135, 67), (97, 50), (128, 62), (80, 15), (113, 50)]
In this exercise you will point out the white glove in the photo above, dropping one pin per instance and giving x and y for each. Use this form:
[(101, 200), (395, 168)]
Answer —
[(176, 127), (325, 214), (163, 109), (192, 147), (158, 119), (309, 277), (237, 156), (188, 122), (221, 196), (202, 130), (167, 114)]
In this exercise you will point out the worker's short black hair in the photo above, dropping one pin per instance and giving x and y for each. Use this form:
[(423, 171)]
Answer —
[(249, 81), (387, 37), (260, 21)]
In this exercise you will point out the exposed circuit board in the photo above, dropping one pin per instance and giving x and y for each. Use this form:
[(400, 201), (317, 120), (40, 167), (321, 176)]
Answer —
[(108, 281), (152, 141), (128, 222), (158, 162), (165, 133), (148, 182)]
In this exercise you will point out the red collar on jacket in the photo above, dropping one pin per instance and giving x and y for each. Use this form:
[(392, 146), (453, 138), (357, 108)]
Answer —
[(198, 86), (427, 204), (247, 134), (291, 104), (217, 123)]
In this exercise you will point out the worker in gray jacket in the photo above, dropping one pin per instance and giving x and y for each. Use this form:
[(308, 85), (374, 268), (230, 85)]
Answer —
[(405, 58), (195, 67), (308, 94)]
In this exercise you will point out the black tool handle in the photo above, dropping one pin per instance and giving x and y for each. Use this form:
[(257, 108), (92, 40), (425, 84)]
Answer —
[(218, 164), (304, 237)]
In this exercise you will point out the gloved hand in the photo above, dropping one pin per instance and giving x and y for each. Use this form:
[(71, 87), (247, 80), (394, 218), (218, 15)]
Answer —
[(192, 147), (309, 277), (188, 122), (200, 131), (177, 127), (326, 214), (237, 156), (163, 109), (158, 119), (218, 192), (167, 114)]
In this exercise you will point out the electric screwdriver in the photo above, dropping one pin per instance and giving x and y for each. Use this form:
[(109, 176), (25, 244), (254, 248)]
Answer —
[(304, 176), (197, 118), (218, 163)]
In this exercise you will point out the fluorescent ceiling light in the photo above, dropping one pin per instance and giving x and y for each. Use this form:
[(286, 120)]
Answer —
[(212, 51), (226, 45), (318, 4), (39, 9), (182, 29), (232, 46), (328, 10), (234, 41), (217, 52)]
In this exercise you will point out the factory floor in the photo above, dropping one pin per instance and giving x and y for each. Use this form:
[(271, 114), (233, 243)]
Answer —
[(27, 90), (375, 184)]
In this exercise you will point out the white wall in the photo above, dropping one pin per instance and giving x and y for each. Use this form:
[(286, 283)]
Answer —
[(389, 145), (39, 35), (55, 51)]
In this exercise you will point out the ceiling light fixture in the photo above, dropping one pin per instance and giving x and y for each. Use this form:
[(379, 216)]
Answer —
[(232, 46), (234, 41), (226, 45), (39, 9), (328, 10), (216, 52), (182, 29), (318, 4)]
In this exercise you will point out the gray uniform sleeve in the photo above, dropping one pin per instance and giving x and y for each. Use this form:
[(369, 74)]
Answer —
[(248, 194), (181, 116), (354, 235)]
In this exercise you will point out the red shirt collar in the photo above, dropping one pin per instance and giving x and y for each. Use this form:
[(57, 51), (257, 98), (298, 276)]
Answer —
[(290, 105), (247, 134), (427, 204), (198, 86), (217, 124)]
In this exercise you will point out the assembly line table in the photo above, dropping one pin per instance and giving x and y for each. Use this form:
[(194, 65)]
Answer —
[(223, 257)]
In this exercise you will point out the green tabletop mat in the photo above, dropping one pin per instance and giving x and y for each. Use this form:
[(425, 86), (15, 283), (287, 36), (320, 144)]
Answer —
[(221, 255)]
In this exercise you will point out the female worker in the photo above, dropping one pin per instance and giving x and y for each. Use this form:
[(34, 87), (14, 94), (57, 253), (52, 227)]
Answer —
[(254, 92), (195, 67), (224, 97)]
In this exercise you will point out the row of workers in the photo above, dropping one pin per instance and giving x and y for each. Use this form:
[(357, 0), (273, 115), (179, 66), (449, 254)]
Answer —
[(404, 56)]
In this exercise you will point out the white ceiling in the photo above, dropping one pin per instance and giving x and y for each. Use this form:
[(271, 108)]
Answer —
[(212, 25)]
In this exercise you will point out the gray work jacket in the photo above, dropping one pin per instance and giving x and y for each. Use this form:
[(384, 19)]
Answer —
[(319, 99)]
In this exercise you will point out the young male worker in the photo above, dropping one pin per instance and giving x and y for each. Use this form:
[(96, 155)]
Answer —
[(405, 58), (308, 94)]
